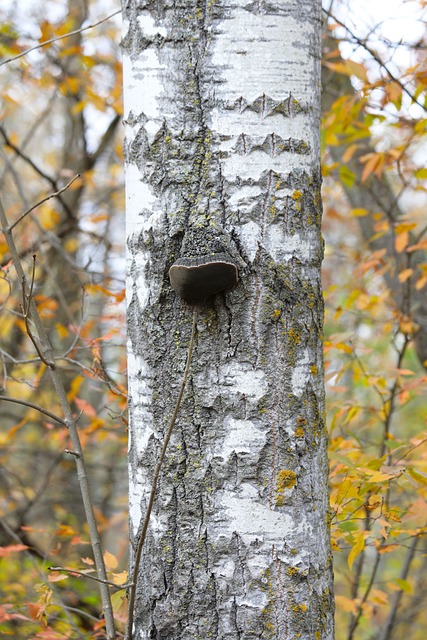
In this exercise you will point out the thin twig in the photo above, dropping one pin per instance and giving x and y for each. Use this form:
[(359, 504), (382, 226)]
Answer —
[(52, 40), (389, 405), (27, 303), (70, 421), (377, 59), (27, 159), (132, 591), (36, 407), (51, 195), (356, 618), (389, 624), (81, 574)]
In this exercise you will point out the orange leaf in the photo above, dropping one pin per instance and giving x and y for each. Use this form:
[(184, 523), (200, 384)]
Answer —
[(64, 530), (374, 163), (85, 407), (405, 274), (401, 241), (346, 604), (56, 576), (389, 548), (349, 152), (34, 609), (12, 548), (418, 245)]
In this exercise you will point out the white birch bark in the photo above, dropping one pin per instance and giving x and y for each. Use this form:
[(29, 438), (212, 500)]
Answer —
[(222, 150)]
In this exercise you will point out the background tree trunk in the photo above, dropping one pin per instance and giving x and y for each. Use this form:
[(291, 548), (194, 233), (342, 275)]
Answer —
[(376, 194), (222, 107)]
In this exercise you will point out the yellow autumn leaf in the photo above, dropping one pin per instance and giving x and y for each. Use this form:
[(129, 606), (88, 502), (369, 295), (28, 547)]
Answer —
[(377, 476), (357, 548), (119, 578), (71, 245), (110, 560), (62, 331), (4, 290), (404, 226), (359, 212), (352, 414), (334, 545), (75, 385), (404, 585), (6, 325), (379, 597), (374, 501), (70, 85), (421, 479), (65, 530), (48, 217), (342, 492)]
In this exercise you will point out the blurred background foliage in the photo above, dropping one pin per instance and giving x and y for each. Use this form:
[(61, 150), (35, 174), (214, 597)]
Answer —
[(61, 118)]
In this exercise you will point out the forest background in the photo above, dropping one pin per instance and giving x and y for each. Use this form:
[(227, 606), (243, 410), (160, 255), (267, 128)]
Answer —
[(61, 177)]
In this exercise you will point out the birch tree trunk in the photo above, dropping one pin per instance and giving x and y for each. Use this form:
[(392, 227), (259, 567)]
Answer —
[(222, 106)]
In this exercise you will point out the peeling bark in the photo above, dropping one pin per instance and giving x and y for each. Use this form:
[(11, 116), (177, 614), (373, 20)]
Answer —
[(222, 104)]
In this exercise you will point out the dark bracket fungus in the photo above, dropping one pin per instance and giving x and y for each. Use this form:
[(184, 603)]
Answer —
[(198, 278)]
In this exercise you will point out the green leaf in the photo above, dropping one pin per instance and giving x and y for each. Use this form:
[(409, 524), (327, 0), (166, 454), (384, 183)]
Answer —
[(346, 176)]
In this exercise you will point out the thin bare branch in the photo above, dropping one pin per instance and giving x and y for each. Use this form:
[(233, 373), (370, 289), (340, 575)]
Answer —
[(81, 574), (70, 421), (356, 619), (387, 629), (51, 195), (31, 405), (377, 59), (27, 303), (27, 159), (52, 40)]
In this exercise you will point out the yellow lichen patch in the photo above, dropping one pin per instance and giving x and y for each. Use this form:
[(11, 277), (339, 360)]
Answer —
[(300, 607), (286, 479), (297, 197), (294, 336)]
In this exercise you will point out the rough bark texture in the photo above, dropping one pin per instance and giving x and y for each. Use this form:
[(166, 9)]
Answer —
[(222, 103)]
